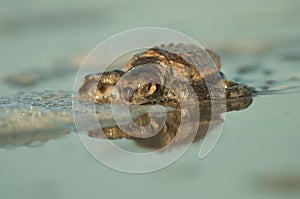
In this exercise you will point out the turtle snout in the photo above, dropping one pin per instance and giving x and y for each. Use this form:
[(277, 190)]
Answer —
[(127, 93)]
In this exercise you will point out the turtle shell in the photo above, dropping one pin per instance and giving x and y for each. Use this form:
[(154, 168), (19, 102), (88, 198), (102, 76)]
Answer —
[(193, 62)]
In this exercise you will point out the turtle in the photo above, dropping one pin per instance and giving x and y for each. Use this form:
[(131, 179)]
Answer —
[(151, 70), (147, 79)]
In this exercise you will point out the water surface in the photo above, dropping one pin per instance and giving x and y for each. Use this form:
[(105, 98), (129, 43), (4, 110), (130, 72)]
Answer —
[(258, 150)]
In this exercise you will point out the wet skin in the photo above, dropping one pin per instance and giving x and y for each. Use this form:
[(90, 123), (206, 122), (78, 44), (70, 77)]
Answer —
[(171, 76), (149, 78)]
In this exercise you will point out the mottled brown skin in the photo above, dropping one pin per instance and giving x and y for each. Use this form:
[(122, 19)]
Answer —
[(147, 79), (167, 66)]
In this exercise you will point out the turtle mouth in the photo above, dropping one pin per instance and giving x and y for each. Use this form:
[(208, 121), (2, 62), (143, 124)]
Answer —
[(127, 93)]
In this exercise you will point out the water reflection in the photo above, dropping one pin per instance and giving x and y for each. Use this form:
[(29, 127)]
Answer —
[(150, 123), (28, 118)]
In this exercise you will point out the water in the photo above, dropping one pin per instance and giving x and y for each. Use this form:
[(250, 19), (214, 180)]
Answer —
[(258, 149)]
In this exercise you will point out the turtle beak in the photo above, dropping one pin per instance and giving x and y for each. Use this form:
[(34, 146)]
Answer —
[(127, 93)]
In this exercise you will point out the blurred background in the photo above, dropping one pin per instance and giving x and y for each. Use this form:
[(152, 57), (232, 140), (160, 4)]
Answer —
[(257, 154)]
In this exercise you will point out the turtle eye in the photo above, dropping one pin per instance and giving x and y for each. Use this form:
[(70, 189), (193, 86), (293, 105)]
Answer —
[(151, 88)]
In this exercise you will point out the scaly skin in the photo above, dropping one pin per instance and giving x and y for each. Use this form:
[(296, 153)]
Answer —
[(154, 76), (169, 76)]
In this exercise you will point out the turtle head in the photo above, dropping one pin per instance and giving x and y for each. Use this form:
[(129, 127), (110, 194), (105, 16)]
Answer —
[(140, 85), (145, 94)]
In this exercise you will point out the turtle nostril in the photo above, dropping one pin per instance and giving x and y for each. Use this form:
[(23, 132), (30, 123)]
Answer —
[(127, 93)]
